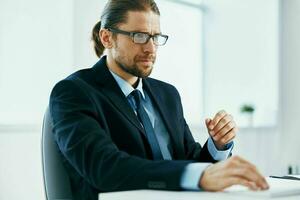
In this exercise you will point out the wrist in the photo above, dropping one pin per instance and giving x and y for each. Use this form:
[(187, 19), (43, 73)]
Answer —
[(201, 183), (219, 146)]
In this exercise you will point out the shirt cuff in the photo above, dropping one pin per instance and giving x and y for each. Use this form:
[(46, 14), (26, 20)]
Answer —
[(219, 154), (191, 176)]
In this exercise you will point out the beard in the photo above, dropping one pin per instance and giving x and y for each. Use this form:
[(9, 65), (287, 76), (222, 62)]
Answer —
[(141, 71)]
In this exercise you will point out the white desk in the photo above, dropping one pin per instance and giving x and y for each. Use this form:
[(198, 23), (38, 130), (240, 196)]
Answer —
[(182, 195), (234, 193)]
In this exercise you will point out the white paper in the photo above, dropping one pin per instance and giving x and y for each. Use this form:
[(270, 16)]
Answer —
[(278, 188)]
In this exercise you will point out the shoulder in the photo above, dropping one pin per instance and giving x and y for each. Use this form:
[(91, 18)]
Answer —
[(72, 80), (76, 86), (89, 78)]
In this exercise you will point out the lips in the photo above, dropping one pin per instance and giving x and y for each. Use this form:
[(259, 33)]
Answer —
[(146, 59), (150, 60)]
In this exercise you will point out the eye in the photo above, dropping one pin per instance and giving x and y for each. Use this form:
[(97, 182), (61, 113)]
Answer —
[(160, 39), (140, 37)]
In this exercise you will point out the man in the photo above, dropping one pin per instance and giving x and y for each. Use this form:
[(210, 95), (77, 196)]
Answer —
[(117, 129)]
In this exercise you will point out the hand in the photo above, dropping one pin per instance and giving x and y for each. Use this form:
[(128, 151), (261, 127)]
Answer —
[(221, 128), (233, 171)]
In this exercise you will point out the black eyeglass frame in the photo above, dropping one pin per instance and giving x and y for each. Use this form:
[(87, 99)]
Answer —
[(132, 34)]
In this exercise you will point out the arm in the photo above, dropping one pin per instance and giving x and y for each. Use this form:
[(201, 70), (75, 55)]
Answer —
[(84, 140), (193, 149)]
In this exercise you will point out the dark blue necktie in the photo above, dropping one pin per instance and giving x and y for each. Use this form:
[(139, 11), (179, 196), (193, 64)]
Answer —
[(144, 119)]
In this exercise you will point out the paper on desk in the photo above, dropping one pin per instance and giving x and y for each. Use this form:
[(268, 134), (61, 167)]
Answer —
[(278, 188)]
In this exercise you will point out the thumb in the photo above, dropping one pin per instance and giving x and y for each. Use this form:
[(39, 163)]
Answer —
[(207, 121)]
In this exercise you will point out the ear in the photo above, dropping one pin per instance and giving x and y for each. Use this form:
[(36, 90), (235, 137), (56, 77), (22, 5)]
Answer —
[(106, 38)]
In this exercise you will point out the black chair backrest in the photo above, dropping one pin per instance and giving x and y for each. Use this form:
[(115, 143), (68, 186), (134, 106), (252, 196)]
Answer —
[(56, 180)]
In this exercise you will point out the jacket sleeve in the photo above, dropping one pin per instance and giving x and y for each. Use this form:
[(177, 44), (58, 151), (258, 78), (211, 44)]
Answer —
[(193, 150), (84, 140)]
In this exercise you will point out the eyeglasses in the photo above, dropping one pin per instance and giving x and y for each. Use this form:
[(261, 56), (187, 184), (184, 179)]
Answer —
[(142, 38)]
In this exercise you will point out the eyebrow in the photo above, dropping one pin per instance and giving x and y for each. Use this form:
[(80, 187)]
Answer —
[(138, 31)]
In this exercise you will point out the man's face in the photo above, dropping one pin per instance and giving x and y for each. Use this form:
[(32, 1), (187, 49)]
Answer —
[(136, 59)]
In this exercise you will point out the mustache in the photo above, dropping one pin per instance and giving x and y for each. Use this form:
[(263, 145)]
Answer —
[(146, 57)]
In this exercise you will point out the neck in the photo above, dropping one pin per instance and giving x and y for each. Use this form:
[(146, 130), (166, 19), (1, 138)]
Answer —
[(114, 67)]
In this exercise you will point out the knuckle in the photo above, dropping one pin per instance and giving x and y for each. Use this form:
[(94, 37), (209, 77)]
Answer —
[(248, 169), (232, 136), (235, 157), (224, 140), (223, 121), (227, 138), (229, 164), (253, 168), (233, 130), (231, 161), (244, 171), (222, 111), (216, 138), (231, 125)]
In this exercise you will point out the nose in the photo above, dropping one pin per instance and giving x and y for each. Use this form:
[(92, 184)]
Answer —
[(149, 47)]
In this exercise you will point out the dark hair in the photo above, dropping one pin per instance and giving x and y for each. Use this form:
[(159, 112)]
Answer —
[(115, 13)]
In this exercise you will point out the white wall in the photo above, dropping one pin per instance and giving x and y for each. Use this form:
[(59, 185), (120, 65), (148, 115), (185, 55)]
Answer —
[(241, 63), (85, 17), (36, 51), (20, 169), (274, 149)]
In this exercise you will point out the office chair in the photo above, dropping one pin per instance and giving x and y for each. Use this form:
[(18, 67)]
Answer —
[(56, 180)]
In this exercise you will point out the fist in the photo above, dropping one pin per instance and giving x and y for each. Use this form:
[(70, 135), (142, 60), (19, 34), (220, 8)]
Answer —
[(221, 128)]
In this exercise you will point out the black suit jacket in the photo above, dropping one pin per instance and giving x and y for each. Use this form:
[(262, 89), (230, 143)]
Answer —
[(102, 142)]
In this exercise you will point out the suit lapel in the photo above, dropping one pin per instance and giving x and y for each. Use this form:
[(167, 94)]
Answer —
[(167, 119), (109, 87), (113, 92)]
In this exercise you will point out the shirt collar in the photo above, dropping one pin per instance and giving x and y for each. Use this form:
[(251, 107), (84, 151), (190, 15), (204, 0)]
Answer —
[(126, 87)]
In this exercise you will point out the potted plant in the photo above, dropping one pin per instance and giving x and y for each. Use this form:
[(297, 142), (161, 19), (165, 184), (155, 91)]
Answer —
[(248, 110)]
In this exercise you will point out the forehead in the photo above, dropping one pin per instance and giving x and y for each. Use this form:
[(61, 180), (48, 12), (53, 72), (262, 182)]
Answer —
[(144, 21)]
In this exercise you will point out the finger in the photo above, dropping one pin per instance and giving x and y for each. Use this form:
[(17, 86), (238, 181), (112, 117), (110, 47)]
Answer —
[(253, 186), (207, 122), (250, 173), (259, 184), (222, 123), (225, 130), (239, 181), (217, 118), (229, 136)]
